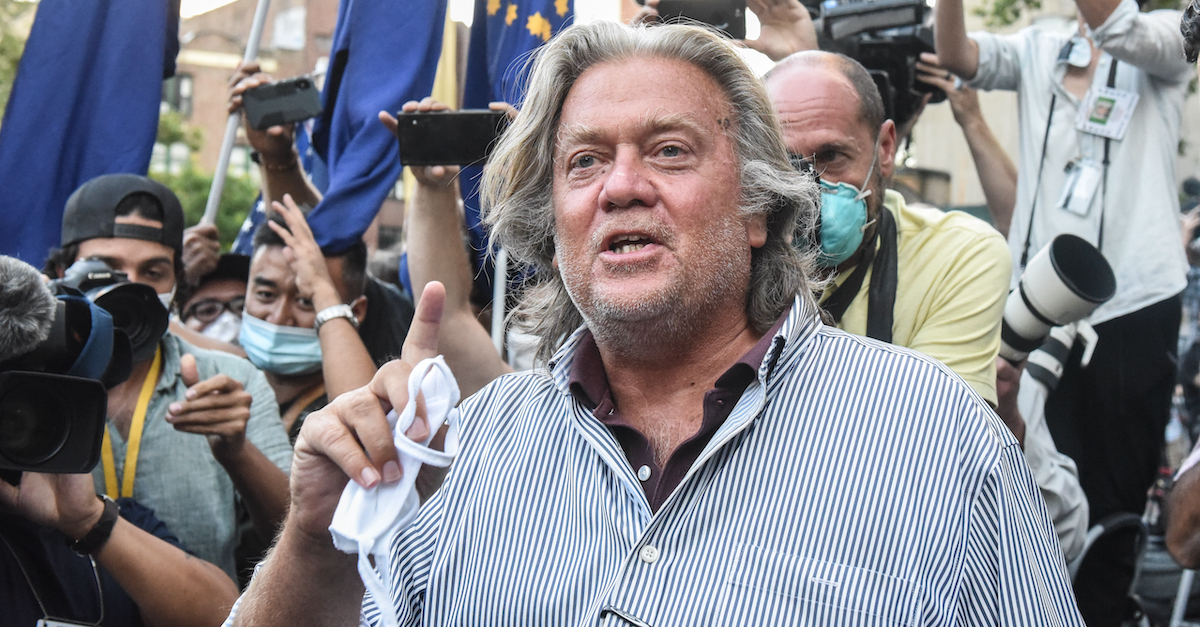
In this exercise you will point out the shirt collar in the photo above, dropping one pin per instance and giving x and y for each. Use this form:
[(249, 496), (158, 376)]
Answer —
[(577, 362)]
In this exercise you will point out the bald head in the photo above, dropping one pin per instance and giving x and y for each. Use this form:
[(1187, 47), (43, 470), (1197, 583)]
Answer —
[(870, 103)]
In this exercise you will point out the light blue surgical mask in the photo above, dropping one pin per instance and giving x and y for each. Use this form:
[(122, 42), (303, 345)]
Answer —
[(277, 349), (843, 219)]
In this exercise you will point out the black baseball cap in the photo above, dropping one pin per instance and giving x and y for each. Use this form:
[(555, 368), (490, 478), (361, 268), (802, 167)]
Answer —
[(91, 211)]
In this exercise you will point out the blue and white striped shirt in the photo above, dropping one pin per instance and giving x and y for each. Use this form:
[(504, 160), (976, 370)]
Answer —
[(855, 483)]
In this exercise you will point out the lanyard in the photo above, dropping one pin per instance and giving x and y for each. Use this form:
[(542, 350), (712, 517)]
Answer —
[(1112, 81), (38, 598), (135, 437)]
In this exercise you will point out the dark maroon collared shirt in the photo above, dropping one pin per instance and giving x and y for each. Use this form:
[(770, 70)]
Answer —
[(589, 385)]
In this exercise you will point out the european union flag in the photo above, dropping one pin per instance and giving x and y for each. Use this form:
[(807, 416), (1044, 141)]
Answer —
[(384, 54), (503, 35), (85, 103)]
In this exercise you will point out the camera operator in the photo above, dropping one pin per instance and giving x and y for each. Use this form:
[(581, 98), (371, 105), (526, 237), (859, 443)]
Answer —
[(932, 281), (177, 392), (64, 553), (1108, 178)]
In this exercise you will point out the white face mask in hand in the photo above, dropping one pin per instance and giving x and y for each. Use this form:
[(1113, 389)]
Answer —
[(367, 519)]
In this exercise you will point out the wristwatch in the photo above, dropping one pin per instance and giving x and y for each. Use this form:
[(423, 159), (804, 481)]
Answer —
[(95, 539), (336, 311)]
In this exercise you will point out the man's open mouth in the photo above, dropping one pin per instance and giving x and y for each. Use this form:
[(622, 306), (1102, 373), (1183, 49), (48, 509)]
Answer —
[(623, 244)]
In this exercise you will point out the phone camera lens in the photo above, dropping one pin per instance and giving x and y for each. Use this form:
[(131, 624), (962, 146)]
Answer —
[(302, 84)]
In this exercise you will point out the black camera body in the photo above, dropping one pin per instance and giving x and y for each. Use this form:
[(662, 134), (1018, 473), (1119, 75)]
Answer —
[(53, 399), (887, 37), (134, 307)]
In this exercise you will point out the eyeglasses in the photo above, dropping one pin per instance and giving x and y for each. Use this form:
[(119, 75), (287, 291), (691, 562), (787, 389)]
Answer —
[(804, 164), (208, 309)]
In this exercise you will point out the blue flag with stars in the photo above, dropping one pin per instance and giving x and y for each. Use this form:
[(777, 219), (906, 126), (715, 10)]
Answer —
[(503, 34)]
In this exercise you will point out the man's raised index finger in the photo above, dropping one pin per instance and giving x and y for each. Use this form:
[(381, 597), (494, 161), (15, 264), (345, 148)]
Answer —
[(422, 340)]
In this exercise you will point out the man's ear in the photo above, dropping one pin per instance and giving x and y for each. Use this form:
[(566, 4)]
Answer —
[(887, 149), (756, 230), (359, 306)]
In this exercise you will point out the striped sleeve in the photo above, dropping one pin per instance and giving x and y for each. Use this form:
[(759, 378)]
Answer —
[(1013, 575)]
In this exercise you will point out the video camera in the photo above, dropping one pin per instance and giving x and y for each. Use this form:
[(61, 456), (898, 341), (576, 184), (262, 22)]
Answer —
[(887, 37), (53, 397)]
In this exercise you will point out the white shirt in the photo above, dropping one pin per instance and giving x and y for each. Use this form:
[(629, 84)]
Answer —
[(1141, 208)]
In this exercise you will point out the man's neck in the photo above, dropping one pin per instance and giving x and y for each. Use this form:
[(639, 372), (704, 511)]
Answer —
[(122, 399), (660, 388), (288, 387)]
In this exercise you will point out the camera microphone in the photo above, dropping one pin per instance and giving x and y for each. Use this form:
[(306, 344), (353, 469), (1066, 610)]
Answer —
[(26, 308)]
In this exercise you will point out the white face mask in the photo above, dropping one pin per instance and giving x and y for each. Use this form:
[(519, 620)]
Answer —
[(1081, 52), (225, 328), (167, 299)]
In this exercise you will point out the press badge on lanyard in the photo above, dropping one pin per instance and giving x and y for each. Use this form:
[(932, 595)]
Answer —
[(1083, 179), (52, 622), (1104, 112)]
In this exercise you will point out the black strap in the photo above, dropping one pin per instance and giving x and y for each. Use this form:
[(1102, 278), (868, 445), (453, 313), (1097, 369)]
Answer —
[(881, 295), (1038, 185), (1112, 81), (839, 301)]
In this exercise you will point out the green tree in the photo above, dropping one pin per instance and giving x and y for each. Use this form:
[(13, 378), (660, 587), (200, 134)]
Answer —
[(14, 18), (192, 185)]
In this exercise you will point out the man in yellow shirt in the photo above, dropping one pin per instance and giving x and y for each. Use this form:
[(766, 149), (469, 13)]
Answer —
[(920, 278)]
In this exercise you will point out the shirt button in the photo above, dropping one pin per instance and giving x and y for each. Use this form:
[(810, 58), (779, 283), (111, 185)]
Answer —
[(649, 554), (643, 473)]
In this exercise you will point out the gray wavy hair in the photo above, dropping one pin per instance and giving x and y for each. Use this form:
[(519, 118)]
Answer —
[(517, 184)]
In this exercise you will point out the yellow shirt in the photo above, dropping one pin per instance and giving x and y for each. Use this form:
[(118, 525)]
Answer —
[(952, 281)]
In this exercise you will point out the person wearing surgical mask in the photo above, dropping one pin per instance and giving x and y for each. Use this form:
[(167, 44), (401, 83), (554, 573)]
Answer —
[(917, 277), (301, 315), (214, 307)]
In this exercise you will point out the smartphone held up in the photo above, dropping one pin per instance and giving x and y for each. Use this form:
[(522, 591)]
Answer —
[(448, 137)]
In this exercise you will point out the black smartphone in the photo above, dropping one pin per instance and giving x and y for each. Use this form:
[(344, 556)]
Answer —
[(448, 137), (727, 16), (282, 102)]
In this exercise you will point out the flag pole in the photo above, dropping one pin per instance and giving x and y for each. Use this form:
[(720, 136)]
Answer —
[(235, 118)]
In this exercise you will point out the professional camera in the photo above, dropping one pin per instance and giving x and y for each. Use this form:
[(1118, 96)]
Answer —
[(1065, 282), (887, 37), (53, 399), (135, 308)]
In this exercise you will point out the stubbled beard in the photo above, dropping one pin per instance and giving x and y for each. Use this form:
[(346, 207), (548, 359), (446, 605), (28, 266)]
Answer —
[(717, 278)]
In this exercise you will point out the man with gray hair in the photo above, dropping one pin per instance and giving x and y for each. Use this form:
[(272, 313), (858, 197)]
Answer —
[(693, 453)]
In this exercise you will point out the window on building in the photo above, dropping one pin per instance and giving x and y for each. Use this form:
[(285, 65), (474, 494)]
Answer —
[(177, 93)]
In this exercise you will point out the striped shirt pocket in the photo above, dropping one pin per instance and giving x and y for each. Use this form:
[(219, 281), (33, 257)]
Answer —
[(770, 587)]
